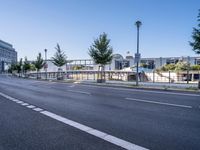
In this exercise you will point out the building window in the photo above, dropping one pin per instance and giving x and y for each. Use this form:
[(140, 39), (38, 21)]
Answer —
[(197, 61)]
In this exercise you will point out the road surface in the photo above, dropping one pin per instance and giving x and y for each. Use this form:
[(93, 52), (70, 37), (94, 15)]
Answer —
[(40, 115)]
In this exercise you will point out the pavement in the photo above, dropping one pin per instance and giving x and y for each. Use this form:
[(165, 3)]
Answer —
[(147, 85), (53, 115)]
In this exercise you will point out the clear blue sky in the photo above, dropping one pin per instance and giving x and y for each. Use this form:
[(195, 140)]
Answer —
[(33, 25)]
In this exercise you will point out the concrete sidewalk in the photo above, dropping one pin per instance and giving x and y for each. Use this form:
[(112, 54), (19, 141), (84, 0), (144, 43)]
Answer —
[(149, 85)]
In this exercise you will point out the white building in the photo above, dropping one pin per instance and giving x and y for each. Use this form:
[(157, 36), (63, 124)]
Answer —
[(120, 63)]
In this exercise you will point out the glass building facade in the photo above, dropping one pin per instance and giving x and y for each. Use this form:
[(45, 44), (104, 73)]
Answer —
[(8, 55)]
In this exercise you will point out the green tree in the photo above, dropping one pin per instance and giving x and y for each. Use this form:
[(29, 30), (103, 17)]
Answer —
[(195, 67), (12, 67), (26, 65), (168, 67), (32, 67), (196, 37), (101, 52), (39, 63), (182, 66), (19, 67), (59, 59)]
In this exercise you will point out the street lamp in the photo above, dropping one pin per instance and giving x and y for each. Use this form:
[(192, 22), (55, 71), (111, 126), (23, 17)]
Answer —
[(137, 55), (45, 50)]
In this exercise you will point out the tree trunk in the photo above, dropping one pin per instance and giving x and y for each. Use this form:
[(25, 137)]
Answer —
[(101, 79)]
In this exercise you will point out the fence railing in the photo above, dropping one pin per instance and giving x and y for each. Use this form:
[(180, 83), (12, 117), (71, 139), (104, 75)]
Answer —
[(165, 77)]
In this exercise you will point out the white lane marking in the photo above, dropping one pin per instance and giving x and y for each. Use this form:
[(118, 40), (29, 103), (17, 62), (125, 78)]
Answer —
[(24, 104), (19, 102), (161, 103), (114, 140), (145, 91), (30, 106), (38, 109), (81, 92)]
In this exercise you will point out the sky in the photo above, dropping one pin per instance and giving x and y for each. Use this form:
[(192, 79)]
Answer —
[(34, 25)]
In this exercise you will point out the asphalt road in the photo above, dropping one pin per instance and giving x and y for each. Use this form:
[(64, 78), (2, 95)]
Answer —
[(148, 119)]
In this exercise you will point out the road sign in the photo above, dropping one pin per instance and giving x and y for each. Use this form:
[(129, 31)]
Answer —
[(137, 57)]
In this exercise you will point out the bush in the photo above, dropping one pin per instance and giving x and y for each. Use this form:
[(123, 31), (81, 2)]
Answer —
[(195, 67)]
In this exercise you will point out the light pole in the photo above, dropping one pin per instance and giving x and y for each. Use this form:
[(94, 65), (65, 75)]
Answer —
[(45, 50), (137, 55)]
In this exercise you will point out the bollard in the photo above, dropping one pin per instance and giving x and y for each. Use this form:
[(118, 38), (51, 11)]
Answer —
[(199, 85)]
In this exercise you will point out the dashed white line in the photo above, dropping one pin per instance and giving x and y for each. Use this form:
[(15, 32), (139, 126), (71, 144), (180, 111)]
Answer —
[(161, 103), (81, 92), (30, 106), (38, 109), (112, 139), (19, 102), (24, 104), (102, 135)]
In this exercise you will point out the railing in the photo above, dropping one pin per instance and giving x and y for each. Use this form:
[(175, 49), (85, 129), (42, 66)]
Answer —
[(154, 77)]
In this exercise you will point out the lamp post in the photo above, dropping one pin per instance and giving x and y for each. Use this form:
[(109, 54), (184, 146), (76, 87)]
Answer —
[(137, 55), (45, 50)]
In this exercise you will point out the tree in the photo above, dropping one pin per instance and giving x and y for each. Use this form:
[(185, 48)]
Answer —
[(39, 63), (26, 65), (32, 67), (19, 66), (101, 52), (168, 67), (196, 37), (59, 60), (182, 66), (196, 40), (12, 67)]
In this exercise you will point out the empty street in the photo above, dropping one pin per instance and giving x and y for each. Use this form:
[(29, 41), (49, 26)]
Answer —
[(40, 115)]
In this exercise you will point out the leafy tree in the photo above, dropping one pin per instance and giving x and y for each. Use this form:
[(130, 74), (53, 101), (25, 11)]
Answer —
[(59, 58), (101, 52), (12, 67), (168, 67), (39, 63), (196, 37), (19, 66), (26, 65), (195, 67), (182, 66), (32, 67)]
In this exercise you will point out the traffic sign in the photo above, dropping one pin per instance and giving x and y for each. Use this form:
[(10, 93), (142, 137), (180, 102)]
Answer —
[(137, 57)]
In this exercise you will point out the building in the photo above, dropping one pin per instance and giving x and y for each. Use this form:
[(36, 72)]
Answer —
[(122, 63), (8, 55)]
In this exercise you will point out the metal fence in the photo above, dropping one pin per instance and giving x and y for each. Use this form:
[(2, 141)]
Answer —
[(153, 77)]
